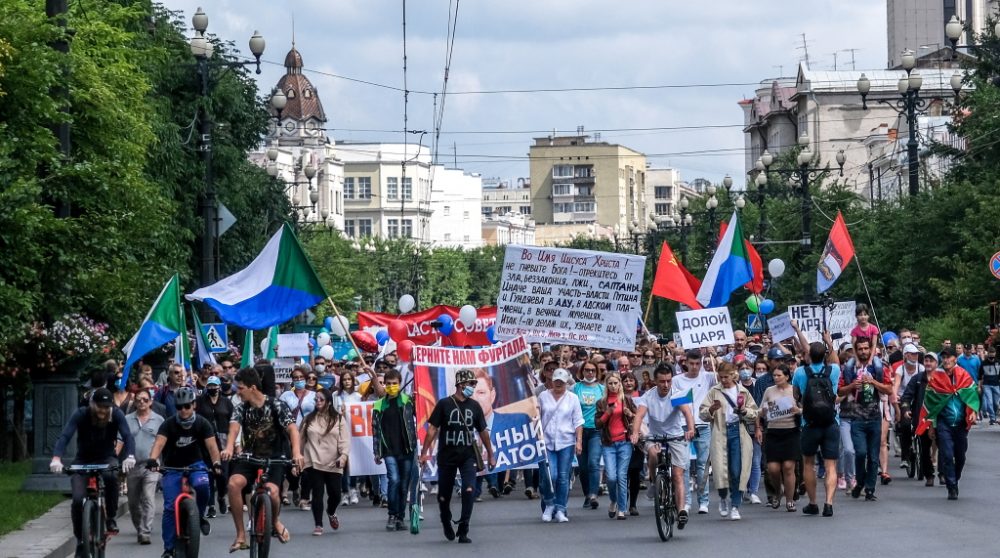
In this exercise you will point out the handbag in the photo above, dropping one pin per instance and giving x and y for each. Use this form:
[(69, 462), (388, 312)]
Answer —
[(476, 446), (746, 423)]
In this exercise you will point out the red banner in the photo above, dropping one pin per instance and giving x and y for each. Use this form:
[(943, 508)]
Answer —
[(423, 333)]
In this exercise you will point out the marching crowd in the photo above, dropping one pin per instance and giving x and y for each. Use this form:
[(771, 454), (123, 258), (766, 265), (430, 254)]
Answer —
[(787, 416)]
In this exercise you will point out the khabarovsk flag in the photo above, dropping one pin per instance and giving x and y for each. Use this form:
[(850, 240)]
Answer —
[(246, 359), (182, 349), (277, 286), (205, 356), (730, 268), (163, 323)]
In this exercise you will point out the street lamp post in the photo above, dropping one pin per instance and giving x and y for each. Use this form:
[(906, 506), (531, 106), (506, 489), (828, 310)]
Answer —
[(202, 49)]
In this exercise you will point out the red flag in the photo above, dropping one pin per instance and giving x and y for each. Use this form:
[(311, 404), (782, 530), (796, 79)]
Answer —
[(423, 395), (757, 284), (837, 255), (673, 281)]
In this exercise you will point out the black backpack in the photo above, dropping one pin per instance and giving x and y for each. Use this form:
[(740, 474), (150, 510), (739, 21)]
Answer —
[(819, 402)]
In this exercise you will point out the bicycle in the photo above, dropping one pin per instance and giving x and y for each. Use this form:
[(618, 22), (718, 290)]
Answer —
[(187, 518), (93, 525), (259, 506), (664, 506)]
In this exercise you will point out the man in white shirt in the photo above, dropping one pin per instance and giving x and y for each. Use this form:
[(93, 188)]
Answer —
[(697, 381)]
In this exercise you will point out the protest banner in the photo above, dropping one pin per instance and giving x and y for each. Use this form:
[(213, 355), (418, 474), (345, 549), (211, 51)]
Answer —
[(780, 327), (578, 296), (839, 321), (421, 332), (503, 389), (709, 327), (283, 370), (359, 416), (293, 344)]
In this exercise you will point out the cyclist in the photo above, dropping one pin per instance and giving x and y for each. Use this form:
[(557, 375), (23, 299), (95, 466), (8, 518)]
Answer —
[(668, 418), (268, 431), (183, 439), (97, 427)]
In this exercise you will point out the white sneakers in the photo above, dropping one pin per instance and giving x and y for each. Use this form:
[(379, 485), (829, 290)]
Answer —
[(561, 517), (703, 509), (724, 508), (547, 514), (734, 514), (754, 499), (354, 496)]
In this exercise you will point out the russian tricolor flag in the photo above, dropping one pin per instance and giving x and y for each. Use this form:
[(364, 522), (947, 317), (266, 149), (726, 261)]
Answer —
[(836, 255)]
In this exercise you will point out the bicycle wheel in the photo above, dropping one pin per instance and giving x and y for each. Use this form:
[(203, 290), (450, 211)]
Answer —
[(660, 507), (260, 535), (89, 527), (915, 450), (671, 508), (189, 540)]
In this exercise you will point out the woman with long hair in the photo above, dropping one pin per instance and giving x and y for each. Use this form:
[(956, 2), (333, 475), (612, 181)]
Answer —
[(326, 444), (781, 410), (631, 388), (347, 393), (615, 412)]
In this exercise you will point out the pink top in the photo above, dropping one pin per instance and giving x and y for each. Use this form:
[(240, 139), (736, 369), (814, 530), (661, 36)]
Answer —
[(871, 331)]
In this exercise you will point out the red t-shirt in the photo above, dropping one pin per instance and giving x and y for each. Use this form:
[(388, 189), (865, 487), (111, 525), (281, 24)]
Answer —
[(616, 422)]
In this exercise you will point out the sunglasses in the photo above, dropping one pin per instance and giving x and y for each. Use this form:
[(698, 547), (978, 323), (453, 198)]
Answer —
[(142, 400), (648, 356), (224, 367), (312, 378), (184, 407)]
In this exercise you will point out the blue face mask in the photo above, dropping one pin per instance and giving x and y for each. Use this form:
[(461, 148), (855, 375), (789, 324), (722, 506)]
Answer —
[(300, 384), (746, 374), (468, 391)]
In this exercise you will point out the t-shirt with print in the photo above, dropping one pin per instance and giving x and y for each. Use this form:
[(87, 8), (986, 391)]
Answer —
[(264, 427), (458, 423), (991, 373), (863, 403), (666, 420), (185, 446), (589, 395), (699, 386), (779, 406)]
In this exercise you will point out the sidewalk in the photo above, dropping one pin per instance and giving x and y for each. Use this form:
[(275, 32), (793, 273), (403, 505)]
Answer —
[(49, 536)]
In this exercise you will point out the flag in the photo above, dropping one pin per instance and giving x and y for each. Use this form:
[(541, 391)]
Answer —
[(686, 398), (163, 323), (277, 286), (757, 284), (836, 255), (424, 397), (940, 391), (182, 348), (246, 359), (672, 280), (730, 267), (205, 356), (272, 343)]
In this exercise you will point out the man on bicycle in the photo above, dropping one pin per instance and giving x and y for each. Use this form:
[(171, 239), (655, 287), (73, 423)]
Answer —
[(184, 439), (97, 427), (268, 431), (669, 416)]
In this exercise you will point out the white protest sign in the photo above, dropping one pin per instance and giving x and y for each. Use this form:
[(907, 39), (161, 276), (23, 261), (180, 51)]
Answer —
[(780, 327), (362, 458), (293, 344), (839, 321), (283, 370), (583, 297), (677, 339), (810, 319), (708, 327)]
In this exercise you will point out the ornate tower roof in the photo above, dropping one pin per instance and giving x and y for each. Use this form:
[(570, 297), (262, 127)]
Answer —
[(303, 99)]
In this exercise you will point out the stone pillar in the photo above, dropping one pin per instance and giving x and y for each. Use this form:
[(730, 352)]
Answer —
[(55, 399)]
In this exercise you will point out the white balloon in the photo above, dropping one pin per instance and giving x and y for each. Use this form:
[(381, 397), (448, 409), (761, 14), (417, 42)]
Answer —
[(323, 339), (467, 315), (264, 344), (406, 303), (326, 352), (776, 267), (389, 346), (340, 326)]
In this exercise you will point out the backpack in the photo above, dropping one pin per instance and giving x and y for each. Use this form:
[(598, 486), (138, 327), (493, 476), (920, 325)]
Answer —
[(818, 399)]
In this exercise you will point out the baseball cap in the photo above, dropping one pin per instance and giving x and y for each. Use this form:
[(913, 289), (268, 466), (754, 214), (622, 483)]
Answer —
[(948, 352), (561, 375), (214, 381), (910, 349), (464, 375), (775, 354), (930, 354), (102, 397), (847, 346)]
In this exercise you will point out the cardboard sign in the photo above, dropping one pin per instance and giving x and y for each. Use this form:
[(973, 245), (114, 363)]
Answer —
[(293, 344), (362, 448), (780, 327), (839, 321), (283, 370), (709, 327)]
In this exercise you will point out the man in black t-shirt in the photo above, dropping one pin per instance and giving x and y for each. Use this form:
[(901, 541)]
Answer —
[(215, 406), (453, 423), (183, 440)]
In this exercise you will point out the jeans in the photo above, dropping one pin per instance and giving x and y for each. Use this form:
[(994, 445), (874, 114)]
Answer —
[(991, 397), (399, 472), (590, 461), (866, 434), (702, 444), (79, 488), (616, 460), (446, 486), (734, 458), (556, 493), (953, 442), (141, 484), (845, 465), (317, 482), (171, 489), (754, 483)]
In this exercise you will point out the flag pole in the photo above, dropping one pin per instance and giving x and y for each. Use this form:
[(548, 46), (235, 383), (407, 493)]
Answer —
[(649, 306), (357, 352)]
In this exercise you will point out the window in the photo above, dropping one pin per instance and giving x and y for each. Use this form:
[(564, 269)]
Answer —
[(364, 227), (447, 211), (465, 238), (365, 188), (407, 228), (447, 237), (349, 227), (408, 189), (349, 188), (562, 171), (584, 172), (585, 190), (561, 189), (392, 188), (525, 210), (393, 228), (662, 208), (465, 214), (562, 207), (584, 207), (662, 192)]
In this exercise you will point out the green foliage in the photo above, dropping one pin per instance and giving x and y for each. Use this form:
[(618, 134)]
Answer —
[(21, 507)]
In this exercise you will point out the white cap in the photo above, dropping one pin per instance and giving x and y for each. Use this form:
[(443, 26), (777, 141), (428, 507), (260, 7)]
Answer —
[(910, 349), (561, 375)]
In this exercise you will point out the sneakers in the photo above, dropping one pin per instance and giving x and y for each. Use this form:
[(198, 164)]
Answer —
[(390, 524), (529, 493), (144, 540), (334, 522), (345, 500), (494, 492), (561, 517), (399, 524), (929, 481), (508, 488), (870, 497), (547, 514), (734, 514), (354, 496), (702, 509), (811, 509), (856, 491), (211, 513), (167, 554), (633, 511), (593, 503), (827, 510), (682, 519), (305, 505), (754, 499), (651, 491), (112, 526), (724, 508), (953, 493), (206, 527), (318, 531), (841, 483)]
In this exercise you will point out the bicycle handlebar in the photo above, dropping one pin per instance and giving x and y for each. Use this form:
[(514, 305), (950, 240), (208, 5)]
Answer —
[(664, 440), (263, 462), (91, 469), (182, 469)]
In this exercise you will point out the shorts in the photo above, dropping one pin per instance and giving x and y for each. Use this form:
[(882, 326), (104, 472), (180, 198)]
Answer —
[(275, 473), (821, 438), (680, 452)]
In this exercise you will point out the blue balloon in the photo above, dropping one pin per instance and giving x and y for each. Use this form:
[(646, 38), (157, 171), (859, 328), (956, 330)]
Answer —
[(312, 342), (491, 334), (767, 306), (447, 324), (328, 323), (382, 336), (888, 337)]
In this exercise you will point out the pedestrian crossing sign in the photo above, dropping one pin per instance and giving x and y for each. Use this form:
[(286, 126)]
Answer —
[(754, 324), (216, 337)]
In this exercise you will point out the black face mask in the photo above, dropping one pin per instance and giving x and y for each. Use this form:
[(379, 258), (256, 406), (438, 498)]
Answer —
[(226, 387), (212, 392)]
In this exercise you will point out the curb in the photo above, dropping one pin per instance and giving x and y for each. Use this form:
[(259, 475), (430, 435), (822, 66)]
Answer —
[(48, 536)]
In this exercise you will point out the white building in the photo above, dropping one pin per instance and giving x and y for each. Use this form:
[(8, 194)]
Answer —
[(456, 207), (512, 228), (664, 190), (500, 197), (918, 25), (888, 167)]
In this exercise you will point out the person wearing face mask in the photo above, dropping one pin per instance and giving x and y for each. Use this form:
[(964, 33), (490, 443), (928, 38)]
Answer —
[(218, 409), (589, 392), (178, 442), (394, 431), (908, 369), (301, 402), (144, 424), (747, 380), (326, 445)]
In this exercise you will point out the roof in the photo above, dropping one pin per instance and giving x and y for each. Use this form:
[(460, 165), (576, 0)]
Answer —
[(303, 99), (846, 81)]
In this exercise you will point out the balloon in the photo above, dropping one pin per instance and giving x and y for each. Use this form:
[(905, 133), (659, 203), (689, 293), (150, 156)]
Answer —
[(753, 303), (381, 337), (467, 315), (491, 333), (406, 303), (351, 355), (340, 326), (326, 352), (767, 306), (404, 350), (397, 330), (365, 341), (328, 324), (323, 339), (265, 343), (447, 324), (390, 346), (312, 342), (888, 337), (776, 267)]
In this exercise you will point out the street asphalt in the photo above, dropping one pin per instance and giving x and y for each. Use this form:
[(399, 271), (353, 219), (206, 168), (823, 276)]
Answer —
[(909, 520)]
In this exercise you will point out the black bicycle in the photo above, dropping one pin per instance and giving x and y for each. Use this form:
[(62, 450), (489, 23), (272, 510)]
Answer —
[(260, 505), (187, 518), (664, 506), (95, 516)]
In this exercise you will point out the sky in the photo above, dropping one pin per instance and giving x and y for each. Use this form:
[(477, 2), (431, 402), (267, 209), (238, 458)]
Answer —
[(717, 51)]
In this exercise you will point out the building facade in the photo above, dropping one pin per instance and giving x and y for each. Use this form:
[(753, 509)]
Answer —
[(500, 197), (664, 191), (456, 208), (512, 228), (918, 25)]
